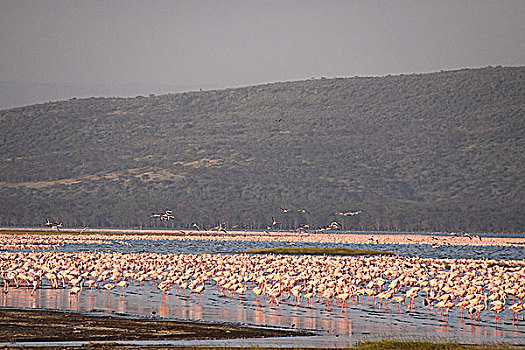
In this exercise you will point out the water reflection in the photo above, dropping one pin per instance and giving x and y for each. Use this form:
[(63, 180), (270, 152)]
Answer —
[(355, 322)]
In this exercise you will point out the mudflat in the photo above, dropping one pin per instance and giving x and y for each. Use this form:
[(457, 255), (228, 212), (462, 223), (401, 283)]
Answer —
[(21, 325)]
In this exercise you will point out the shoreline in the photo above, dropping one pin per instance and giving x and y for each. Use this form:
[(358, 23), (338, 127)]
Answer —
[(158, 334), (45, 325)]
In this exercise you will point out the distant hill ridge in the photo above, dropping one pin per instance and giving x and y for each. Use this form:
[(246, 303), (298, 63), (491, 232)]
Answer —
[(419, 152)]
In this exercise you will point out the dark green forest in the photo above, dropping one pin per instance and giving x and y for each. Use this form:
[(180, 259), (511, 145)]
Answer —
[(421, 152)]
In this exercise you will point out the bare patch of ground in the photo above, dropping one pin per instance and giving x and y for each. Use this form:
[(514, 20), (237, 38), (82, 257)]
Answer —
[(18, 325)]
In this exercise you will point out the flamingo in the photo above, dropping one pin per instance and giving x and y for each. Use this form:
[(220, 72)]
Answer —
[(516, 308), (412, 294), (109, 287), (343, 297), (384, 296), (478, 308), (497, 307), (74, 291), (399, 300), (123, 284), (350, 213), (284, 210), (444, 304), (258, 292), (198, 289)]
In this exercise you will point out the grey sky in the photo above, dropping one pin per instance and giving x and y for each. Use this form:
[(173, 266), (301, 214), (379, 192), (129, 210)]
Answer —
[(236, 43)]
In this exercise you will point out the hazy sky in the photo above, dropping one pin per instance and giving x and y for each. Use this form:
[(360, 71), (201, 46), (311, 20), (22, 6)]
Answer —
[(236, 43)]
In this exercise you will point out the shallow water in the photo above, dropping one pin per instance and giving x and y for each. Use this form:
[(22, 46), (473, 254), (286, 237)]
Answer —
[(336, 326), (227, 247)]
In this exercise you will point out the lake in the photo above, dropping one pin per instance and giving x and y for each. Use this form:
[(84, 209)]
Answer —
[(336, 325)]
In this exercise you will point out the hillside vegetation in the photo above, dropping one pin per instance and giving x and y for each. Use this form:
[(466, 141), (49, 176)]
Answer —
[(440, 151)]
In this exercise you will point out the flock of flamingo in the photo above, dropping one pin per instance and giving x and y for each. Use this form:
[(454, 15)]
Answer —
[(476, 286), (54, 241)]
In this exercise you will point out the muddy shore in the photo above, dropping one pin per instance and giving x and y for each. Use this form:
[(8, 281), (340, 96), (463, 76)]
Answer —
[(21, 325)]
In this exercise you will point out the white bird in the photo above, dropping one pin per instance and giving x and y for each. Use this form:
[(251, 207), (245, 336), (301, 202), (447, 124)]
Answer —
[(53, 225), (349, 213), (335, 225)]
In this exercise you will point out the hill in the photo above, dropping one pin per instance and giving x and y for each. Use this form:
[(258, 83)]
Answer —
[(440, 151)]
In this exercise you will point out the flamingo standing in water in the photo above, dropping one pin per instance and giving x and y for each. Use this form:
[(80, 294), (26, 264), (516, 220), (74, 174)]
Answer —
[(445, 304), (258, 294), (197, 289), (122, 284), (497, 307), (516, 308), (109, 287), (74, 291)]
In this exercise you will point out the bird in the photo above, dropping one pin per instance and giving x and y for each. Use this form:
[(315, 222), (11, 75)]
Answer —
[(75, 290), (444, 304), (220, 227), (166, 216), (198, 289), (274, 222), (350, 213), (53, 225), (284, 210), (303, 211), (466, 234), (196, 226), (497, 306), (516, 308), (334, 225), (399, 300), (122, 284), (109, 287)]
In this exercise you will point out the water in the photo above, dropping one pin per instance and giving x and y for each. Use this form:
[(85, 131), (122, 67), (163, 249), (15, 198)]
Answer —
[(228, 247), (335, 326)]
